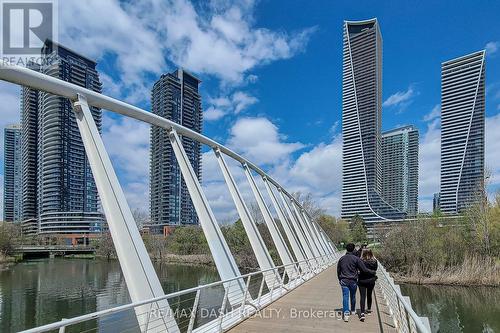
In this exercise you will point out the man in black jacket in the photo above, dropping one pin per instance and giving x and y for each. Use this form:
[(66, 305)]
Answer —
[(347, 272)]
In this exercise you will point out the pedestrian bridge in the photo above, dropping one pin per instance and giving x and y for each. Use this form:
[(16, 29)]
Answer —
[(264, 300)]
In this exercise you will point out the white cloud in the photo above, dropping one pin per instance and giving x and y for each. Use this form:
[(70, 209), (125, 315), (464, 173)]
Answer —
[(136, 39), (259, 140), (213, 113), (234, 104), (429, 163), (127, 143), (320, 168), (219, 40), (108, 28), (492, 48), (492, 148), (242, 101), (317, 171), (435, 113), (401, 97)]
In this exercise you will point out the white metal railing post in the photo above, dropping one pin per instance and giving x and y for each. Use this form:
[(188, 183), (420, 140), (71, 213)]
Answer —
[(306, 229), (278, 240), (262, 300), (138, 271), (194, 311), (402, 312), (246, 292), (300, 233), (296, 248), (261, 288), (314, 233), (224, 260), (322, 237), (258, 246), (223, 306)]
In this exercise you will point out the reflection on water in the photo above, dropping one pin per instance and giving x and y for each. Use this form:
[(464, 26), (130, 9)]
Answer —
[(38, 292), (457, 309)]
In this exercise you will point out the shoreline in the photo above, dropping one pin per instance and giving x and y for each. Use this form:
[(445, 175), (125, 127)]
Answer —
[(425, 281)]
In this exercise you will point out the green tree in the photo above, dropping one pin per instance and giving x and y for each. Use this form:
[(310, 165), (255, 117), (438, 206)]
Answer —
[(336, 229), (9, 233), (239, 244), (358, 229), (188, 240)]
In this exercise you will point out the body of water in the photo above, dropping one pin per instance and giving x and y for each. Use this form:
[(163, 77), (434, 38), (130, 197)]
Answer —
[(457, 309), (37, 292)]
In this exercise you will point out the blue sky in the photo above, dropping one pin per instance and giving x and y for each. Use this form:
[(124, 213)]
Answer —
[(271, 73)]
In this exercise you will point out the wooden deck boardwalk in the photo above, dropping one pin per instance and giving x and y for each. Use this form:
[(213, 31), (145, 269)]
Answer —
[(315, 307)]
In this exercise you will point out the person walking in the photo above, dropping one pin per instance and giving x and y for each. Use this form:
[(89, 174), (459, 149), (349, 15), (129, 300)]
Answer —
[(366, 282), (347, 273)]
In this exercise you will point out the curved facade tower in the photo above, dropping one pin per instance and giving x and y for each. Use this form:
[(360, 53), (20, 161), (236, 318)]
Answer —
[(462, 131), (361, 123)]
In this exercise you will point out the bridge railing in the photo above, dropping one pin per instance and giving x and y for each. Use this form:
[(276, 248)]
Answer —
[(405, 318), (296, 236), (206, 308)]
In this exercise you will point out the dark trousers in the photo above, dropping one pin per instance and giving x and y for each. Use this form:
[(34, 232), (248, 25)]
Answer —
[(365, 293)]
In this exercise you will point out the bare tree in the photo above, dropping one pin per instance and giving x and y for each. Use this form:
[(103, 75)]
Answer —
[(310, 204), (105, 246), (156, 246), (255, 212), (479, 218), (141, 217)]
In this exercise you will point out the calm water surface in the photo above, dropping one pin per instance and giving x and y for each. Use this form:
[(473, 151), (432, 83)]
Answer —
[(457, 309), (38, 292)]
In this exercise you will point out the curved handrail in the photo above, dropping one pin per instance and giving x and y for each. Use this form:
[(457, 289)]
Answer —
[(30, 78), (130, 306), (421, 328)]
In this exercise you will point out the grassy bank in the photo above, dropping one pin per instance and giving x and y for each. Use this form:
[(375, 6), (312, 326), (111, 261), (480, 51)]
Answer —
[(472, 271), (465, 252)]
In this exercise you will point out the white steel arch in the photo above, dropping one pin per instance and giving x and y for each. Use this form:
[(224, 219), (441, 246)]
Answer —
[(141, 279)]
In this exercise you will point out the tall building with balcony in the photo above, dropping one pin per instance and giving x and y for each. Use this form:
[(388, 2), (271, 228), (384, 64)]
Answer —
[(175, 97), (436, 204), (64, 197), (361, 124), (12, 182), (462, 131), (29, 151), (400, 169)]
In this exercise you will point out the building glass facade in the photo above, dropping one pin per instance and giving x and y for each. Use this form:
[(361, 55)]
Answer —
[(64, 199), (361, 124), (175, 97), (462, 132), (12, 195), (400, 169)]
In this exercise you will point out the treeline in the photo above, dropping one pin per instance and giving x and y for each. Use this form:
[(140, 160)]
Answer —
[(463, 251), (188, 244)]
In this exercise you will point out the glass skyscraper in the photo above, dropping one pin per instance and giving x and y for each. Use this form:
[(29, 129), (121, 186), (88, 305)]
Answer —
[(400, 169), (462, 131), (12, 195), (361, 124), (64, 197), (175, 96)]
